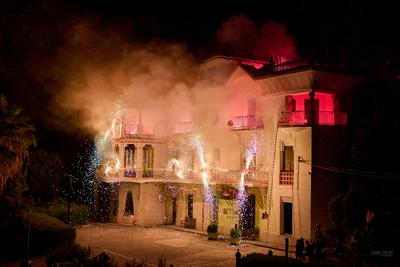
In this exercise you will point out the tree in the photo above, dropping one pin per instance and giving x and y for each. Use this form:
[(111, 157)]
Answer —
[(46, 167), (17, 134)]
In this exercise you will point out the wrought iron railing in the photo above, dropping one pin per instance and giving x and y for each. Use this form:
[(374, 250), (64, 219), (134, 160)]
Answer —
[(320, 118), (245, 123), (215, 176)]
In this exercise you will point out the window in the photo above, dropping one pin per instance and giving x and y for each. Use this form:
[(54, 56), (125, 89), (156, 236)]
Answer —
[(129, 161), (216, 158), (252, 164), (190, 206), (287, 166), (129, 156), (128, 204), (148, 160), (287, 158)]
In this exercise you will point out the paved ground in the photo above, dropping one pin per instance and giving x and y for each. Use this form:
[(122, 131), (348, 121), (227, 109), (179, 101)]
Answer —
[(180, 248)]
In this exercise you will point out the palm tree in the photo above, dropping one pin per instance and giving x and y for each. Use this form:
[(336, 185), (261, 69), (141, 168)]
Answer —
[(16, 136)]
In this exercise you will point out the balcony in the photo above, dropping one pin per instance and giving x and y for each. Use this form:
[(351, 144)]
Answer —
[(233, 177), (298, 118), (245, 123), (215, 176)]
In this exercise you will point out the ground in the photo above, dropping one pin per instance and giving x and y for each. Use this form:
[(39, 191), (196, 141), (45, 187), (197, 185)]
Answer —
[(180, 248)]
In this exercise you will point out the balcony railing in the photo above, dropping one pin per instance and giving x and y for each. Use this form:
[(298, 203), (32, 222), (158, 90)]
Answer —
[(245, 123), (215, 176), (320, 118)]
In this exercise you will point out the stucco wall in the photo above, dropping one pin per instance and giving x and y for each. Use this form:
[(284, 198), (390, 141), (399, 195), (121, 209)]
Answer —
[(148, 209)]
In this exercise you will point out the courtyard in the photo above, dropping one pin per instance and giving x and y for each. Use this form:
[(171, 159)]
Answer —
[(124, 243)]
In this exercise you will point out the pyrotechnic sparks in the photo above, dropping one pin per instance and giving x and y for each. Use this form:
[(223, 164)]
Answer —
[(175, 166), (241, 197), (86, 167)]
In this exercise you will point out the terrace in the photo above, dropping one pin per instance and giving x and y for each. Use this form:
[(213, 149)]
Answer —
[(215, 176)]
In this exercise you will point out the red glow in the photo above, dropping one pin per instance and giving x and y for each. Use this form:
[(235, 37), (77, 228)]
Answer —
[(324, 110), (255, 64), (326, 101)]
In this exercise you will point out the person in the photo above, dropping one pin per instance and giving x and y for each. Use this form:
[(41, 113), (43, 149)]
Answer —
[(309, 250), (318, 243), (299, 249)]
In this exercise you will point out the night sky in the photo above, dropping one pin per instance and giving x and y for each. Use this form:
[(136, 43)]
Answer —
[(33, 35)]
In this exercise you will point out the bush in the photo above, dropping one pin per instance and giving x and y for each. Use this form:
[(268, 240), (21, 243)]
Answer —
[(212, 228), (74, 253), (48, 232), (79, 212), (235, 233)]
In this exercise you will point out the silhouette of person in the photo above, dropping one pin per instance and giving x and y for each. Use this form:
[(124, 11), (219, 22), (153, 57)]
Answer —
[(318, 241), (309, 250), (299, 249)]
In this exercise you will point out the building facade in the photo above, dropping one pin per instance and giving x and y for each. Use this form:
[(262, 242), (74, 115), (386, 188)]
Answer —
[(273, 131)]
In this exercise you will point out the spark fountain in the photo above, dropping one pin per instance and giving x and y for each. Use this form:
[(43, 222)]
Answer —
[(207, 192), (241, 197)]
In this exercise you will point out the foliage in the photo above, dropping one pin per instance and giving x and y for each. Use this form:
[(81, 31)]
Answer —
[(79, 212), (102, 260), (235, 233), (212, 228), (47, 232), (16, 136), (46, 168), (73, 253), (12, 231)]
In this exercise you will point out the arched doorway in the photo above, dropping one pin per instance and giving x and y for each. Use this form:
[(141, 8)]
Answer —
[(129, 208)]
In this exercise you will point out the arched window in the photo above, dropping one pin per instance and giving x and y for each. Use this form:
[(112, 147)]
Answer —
[(129, 160), (129, 204), (148, 160)]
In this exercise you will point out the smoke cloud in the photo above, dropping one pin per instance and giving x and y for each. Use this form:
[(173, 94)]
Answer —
[(101, 73), (242, 37)]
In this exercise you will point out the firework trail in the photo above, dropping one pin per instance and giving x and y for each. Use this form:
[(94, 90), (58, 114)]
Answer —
[(207, 192), (241, 197)]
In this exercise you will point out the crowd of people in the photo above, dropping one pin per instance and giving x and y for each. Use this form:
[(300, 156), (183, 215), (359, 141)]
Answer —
[(310, 249)]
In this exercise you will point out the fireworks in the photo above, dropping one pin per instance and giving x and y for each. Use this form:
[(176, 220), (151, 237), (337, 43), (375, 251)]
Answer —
[(241, 197)]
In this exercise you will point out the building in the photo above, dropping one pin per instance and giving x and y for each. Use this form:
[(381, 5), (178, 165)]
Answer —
[(274, 129)]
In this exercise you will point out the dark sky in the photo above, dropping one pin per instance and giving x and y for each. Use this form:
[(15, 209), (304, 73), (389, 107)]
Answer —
[(33, 32)]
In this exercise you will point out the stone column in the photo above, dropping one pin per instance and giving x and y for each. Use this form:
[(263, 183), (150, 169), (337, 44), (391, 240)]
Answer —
[(139, 160), (121, 158)]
